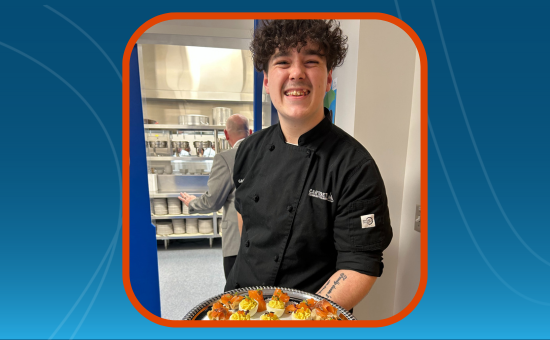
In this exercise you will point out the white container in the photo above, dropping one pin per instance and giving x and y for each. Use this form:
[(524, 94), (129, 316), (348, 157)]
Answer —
[(152, 180)]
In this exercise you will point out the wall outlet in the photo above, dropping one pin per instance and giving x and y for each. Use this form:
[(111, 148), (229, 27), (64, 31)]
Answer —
[(417, 218)]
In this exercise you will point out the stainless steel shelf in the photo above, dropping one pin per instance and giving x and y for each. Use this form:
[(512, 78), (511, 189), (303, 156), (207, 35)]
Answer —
[(183, 236), (156, 194), (182, 127), (211, 96), (173, 217), (183, 158)]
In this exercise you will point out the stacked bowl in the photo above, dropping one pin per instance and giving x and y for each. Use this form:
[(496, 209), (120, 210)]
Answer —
[(184, 209), (164, 228), (174, 206), (192, 226), (206, 226), (179, 226), (160, 206)]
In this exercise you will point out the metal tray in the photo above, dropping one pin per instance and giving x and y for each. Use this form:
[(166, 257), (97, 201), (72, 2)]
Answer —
[(201, 310)]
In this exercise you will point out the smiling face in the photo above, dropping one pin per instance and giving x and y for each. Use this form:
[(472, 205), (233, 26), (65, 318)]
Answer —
[(297, 83)]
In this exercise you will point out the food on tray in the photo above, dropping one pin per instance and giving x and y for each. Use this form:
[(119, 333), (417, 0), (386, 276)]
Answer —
[(309, 303), (244, 307), (225, 300), (269, 316), (324, 310), (278, 302), (250, 305), (258, 295), (240, 315), (231, 301), (235, 301), (219, 312), (303, 313)]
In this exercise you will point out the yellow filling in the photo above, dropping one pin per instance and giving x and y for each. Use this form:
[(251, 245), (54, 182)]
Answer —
[(302, 313), (269, 316), (240, 316), (276, 304), (248, 304)]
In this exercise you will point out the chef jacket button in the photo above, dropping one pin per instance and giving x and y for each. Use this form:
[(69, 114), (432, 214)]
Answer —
[(272, 147), (276, 258), (289, 208), (247, 244), (256, 198)]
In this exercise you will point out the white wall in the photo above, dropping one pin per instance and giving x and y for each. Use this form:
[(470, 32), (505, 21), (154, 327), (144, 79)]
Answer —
[(383, 100), (408, 267), (347, 79)]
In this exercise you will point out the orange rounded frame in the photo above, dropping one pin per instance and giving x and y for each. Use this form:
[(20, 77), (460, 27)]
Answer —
[(126, 166)]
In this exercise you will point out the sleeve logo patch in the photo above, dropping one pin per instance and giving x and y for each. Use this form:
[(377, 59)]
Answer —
[(367, 221)]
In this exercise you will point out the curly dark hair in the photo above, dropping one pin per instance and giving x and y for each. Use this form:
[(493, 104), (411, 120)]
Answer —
[(289, 34)]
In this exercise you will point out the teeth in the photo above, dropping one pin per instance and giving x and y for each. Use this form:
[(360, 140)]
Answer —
[(297, 93)]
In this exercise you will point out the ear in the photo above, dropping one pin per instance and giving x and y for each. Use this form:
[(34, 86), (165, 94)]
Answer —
[(226, 135), (329, 81), (265, 83)]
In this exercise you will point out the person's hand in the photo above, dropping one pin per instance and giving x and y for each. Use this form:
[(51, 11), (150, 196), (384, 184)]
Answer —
[(186, 198)]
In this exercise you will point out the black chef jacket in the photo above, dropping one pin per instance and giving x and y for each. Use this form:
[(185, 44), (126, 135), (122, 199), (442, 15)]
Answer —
[(308, 210)]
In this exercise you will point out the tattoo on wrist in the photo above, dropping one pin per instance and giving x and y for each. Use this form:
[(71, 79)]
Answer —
[(342, 277), (325, 286)]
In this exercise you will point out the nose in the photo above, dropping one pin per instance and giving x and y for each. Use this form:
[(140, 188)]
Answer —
[(297, 71)]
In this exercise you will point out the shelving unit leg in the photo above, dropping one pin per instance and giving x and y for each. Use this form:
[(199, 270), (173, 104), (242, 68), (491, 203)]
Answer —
[(211, 241)]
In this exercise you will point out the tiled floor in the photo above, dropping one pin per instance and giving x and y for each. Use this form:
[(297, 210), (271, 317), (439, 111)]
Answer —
[(189, 273)]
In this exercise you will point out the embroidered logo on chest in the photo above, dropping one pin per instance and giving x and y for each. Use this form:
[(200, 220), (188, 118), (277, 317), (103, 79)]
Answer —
[(241, 180), (367, 221), (321, 195)]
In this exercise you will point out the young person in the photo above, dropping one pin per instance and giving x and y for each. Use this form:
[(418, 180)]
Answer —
[(314, 208)]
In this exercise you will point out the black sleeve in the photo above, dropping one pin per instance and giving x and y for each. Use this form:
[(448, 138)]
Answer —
[(362, 227)]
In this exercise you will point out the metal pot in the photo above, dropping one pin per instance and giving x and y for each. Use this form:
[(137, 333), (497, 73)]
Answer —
[(221, 114), (224, 145), (194, 120), (202, 144), (160, 144), (180, 145)]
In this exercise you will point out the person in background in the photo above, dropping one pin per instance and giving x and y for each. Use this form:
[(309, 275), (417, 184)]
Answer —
[(209, 152), (221, 190), (185, 151), (313, 204)]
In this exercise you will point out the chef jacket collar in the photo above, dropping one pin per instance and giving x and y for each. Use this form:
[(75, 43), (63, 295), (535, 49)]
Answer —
[(317, 133)]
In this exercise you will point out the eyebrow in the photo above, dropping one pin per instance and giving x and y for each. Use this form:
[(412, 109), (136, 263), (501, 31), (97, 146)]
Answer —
[(307, 52)]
